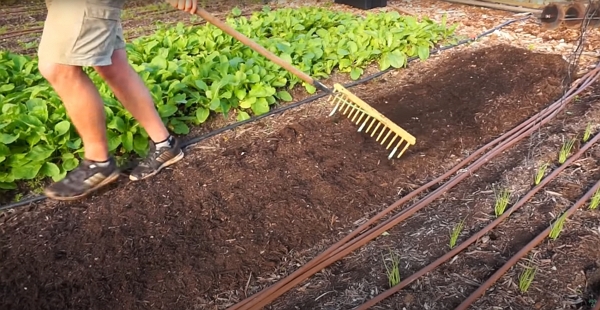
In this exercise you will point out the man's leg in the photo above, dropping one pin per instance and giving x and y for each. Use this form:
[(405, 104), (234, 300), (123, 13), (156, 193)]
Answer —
[(74, 36), (131, 91)]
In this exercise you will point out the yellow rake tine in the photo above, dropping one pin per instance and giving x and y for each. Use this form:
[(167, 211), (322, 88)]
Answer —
[(361, 117), (348, 106), (380, 133), (391, 141), (363, 125), (404, 149), (337, 105), (352, 110), (372, 122), (375, 129), (395, 149), (353, 114), (361, 113), (386, 136)]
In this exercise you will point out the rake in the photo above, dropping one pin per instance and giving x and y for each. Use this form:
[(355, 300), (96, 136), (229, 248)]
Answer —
[(355, 109)]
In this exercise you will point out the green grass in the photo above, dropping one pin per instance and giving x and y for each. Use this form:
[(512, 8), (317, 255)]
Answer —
[(557, 227), (526, 278), (565, 150), (540, 173), (455, 233), (587, 133), (595, 200), (393, 271), (502, 199)]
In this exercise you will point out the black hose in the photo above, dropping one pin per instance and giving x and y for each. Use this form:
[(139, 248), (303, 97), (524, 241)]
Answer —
[(291, 106)]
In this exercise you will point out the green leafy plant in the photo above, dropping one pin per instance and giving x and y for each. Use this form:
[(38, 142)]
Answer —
[(455, 233), (540, 173), (565, 150), (196, 72), (557, 227), (526, 277), (393, 271), (595, 201), (587, 133), (502, 199)]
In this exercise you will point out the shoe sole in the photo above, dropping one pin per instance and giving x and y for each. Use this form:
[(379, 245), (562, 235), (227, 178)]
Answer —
[(165, 165), (111, 178)]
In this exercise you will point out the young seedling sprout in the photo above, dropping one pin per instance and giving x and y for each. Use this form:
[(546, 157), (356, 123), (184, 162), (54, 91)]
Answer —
[(595, 200), (565, 150), (557, 227), (455, 233), (502, 199), (526, 278), (393, 272), (588, 132), (540, 173)]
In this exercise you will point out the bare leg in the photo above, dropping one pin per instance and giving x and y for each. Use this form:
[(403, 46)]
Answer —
[(83, 104), (85, 109), (133, 94)]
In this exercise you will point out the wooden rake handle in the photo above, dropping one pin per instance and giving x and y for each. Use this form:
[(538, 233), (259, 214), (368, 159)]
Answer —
[(261, 50)]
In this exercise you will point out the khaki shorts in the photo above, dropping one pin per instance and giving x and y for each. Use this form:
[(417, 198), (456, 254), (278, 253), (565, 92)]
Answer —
[(81, 32)]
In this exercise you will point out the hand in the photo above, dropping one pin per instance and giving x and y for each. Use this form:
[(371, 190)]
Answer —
[(189, 6)]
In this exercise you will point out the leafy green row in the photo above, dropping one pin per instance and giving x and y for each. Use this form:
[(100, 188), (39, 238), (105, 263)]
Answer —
[(194, 72)]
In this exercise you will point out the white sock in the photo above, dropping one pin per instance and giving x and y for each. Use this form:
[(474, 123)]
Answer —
[(165, 143)]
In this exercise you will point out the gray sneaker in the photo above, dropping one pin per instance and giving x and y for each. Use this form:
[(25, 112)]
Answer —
[(158, 158), (86, 178)]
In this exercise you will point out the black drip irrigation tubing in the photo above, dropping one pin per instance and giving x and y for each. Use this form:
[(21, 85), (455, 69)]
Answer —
[(221, 130)]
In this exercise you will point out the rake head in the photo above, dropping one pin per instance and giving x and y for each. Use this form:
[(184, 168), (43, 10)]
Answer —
[(362, 114)]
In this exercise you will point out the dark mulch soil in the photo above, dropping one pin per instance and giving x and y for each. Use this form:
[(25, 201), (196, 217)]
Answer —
[(202, 228)]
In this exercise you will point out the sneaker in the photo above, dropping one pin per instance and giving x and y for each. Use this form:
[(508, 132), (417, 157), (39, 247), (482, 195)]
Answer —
[(161, 155), (86, 178)]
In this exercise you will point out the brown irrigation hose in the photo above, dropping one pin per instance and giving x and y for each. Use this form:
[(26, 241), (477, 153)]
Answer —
[(483, 231), (19, 33), (340, 249), (513, 260)]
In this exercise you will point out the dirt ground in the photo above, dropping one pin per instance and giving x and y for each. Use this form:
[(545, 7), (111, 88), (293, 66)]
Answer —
[(239, 210), (246, 208)]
